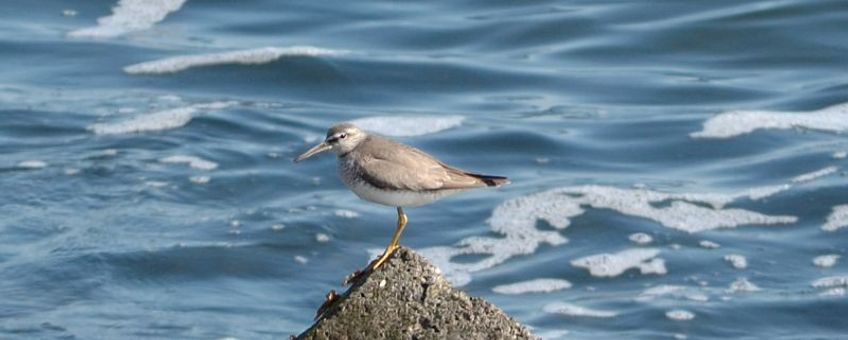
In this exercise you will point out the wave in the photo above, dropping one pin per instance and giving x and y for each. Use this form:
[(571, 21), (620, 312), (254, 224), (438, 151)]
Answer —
[(129, 16), (533, 286), (569, 309), (736, 123), (243, 57), (157, 121)]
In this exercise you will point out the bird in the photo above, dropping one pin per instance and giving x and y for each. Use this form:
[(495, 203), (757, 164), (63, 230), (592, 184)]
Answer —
[(386, 172)]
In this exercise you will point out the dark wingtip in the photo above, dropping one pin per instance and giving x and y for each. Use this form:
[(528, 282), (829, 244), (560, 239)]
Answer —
[(492, 181)]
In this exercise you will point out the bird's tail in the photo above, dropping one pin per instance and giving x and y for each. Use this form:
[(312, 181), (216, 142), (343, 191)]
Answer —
[(492, 181)]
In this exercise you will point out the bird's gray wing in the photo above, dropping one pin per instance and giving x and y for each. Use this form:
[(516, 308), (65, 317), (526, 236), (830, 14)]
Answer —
[(394, 166)]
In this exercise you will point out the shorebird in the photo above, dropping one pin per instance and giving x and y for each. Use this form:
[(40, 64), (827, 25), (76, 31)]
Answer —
[(386, 172)]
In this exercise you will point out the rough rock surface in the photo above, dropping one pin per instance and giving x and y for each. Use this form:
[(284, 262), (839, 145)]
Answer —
[(407, 298)]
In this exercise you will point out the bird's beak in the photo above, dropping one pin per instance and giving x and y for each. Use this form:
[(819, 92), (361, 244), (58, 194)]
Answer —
[(314, 150)]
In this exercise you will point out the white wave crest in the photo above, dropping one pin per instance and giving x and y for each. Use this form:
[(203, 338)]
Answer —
[(575, 310), (680, 315), (815, 174), (826, 261), (32, 164), (742, 285), (735, 123), (408, 126), (130, 16), (737, 261), (156, 121), (533, 286), (243, 57), (837, 219)]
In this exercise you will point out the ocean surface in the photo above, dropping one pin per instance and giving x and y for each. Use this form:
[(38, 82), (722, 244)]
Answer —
[(678, 167)]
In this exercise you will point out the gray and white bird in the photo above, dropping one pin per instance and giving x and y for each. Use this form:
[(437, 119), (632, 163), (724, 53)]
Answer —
[(383, 171)]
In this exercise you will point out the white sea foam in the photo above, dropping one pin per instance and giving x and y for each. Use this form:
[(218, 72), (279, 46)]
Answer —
[(611, 265), (838, 218), (737, 261), (680, 315), (192, 161), (322, 238), (682, 213), (254, 56), (708, 244), (831, 282), (408, 126), (766, 191), (346, 213), (33, 164), (200, 179), (130, 16), (735, 123), (533, 286), (742, 285), (640, 238), (301, 259), (569, 309), (159, 120), (826, 261), (516, 219), (840, 155), (815, 174)]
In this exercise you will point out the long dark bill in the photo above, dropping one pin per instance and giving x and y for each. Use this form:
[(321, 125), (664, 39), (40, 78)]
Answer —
[(314, 150)]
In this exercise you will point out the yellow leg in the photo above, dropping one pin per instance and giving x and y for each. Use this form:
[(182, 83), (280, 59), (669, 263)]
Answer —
[(393, 244)]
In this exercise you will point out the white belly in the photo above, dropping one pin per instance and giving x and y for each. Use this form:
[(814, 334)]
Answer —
[(396, 198)]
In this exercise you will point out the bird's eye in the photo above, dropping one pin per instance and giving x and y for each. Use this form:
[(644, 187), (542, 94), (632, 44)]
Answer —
[(342, 135)]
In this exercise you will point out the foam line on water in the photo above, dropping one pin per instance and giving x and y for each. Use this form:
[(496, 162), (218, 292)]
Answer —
[(32, 164), (157, 121), (254, 56), (129, 16), (735, 123), (515, 220), (408, 126), (570, 309), (815, 174), (533, 286)]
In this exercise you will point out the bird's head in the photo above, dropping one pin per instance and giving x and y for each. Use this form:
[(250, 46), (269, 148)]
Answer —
[(342, 138)]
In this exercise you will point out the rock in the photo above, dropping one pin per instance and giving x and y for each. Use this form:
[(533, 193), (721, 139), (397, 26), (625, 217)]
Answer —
[(407, 298)]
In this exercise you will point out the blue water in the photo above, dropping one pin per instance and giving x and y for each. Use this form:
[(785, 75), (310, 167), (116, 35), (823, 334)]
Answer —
[(107, 235)]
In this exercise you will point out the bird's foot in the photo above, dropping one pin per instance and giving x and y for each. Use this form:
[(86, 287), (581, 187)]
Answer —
[(328, 301), (359, 275)]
